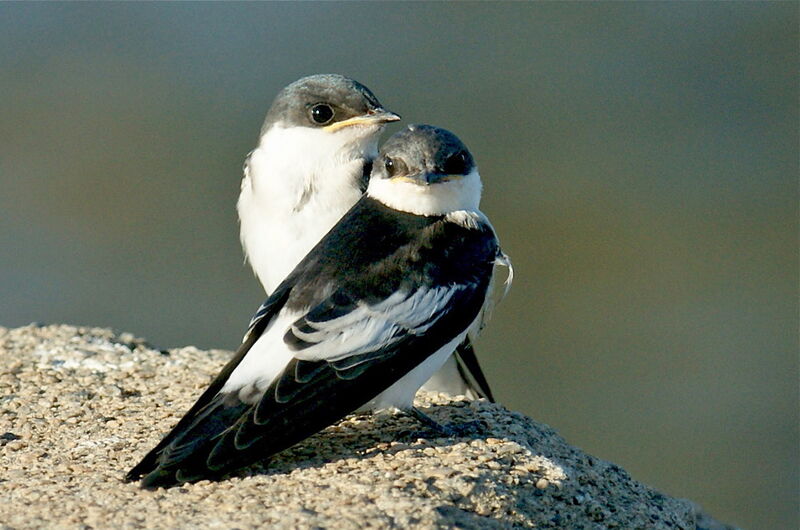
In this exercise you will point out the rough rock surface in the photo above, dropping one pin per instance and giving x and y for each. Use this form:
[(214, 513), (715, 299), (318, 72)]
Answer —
[(79, 406)]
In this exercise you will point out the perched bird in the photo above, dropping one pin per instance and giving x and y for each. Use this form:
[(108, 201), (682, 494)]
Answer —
[(311, 165), (366, 317)]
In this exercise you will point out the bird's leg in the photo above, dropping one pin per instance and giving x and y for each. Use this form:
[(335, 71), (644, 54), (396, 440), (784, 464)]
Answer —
[(452, 430)]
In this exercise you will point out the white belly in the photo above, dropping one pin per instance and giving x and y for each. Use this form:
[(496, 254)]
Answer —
[(401, 394)]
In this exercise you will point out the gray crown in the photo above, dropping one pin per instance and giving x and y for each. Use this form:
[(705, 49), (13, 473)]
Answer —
[(347, 97)]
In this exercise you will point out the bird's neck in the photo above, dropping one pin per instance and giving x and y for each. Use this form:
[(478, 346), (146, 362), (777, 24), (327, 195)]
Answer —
[(300, 164), (436, 199)]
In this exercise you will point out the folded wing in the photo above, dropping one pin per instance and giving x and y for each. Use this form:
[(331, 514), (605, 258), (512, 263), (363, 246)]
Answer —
[(346, 352)]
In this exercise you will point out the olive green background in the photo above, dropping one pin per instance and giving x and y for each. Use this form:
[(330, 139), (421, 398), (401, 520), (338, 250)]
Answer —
[(640, 164)]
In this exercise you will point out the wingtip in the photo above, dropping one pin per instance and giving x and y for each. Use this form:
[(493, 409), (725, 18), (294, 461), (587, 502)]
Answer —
[(159, 478), (145, 466), (147, 480), (134, 474)]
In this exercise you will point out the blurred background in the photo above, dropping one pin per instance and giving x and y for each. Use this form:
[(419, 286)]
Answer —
[(640, 164)]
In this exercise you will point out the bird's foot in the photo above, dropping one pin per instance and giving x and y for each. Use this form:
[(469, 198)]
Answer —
[(438, 430)]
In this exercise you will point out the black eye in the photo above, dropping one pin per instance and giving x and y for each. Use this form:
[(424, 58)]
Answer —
[(321, 113), (389, 165), (394, 166), (456, 164)]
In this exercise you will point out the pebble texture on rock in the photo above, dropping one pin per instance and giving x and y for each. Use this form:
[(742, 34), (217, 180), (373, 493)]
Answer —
[(80, 406)]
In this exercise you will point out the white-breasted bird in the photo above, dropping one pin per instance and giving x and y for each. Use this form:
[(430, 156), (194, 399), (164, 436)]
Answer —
[(360, 324), (311, 165)]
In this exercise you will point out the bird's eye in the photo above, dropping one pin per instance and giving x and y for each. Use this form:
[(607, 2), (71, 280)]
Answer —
[(321, 113), (394, 166), (456, 164)]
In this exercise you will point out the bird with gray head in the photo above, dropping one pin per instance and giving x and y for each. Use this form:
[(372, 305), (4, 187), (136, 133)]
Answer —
[(311, 165), (364, 319)]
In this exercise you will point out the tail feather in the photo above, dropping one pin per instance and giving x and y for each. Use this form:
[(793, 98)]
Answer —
[(225, 437), (182, 455), (470, 370), (211, 415)]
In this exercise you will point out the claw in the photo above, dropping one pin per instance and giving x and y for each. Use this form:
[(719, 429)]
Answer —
[(453, 430)]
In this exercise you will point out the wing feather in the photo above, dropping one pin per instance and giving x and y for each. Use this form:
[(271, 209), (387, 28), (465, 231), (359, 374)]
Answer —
[(357, 336), (355, 339), (208, 402)]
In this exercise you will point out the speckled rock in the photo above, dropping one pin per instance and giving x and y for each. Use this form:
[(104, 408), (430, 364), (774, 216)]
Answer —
[(79, 406)]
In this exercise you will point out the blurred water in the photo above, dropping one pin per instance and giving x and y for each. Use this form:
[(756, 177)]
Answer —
[(640, 164)]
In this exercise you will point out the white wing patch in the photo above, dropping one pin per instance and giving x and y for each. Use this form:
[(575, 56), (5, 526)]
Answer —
[(266, 359), (368, 328), (365, 329), (469, 219)]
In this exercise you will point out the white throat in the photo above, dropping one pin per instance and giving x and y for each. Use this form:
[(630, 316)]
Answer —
[(298, 183), (437, 199), (296, 161)]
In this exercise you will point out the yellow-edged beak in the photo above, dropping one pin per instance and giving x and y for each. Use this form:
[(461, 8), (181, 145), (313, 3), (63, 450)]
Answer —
[(371, 118), (426, 178)]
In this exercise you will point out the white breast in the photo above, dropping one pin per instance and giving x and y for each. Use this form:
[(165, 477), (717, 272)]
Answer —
[(298, 183)]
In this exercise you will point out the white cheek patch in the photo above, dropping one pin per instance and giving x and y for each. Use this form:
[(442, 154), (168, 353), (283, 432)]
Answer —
[(436, 199)]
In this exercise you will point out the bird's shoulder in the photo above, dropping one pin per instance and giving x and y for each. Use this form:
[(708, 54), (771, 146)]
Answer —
[(374, 250)]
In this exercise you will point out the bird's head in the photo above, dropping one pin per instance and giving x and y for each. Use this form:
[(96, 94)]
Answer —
[(425, 170), (329, 107)]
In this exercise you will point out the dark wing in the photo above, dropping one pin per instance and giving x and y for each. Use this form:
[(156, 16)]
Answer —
[(317, 389), (347, 352), (209, 401), (466, 360), (377, 311)]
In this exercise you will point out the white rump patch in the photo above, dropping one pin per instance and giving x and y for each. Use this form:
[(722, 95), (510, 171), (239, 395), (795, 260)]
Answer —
[(401, 394)]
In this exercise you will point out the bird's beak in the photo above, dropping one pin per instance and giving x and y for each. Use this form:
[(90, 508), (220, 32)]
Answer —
[(426, 179), (372, 117), (436, 178)]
